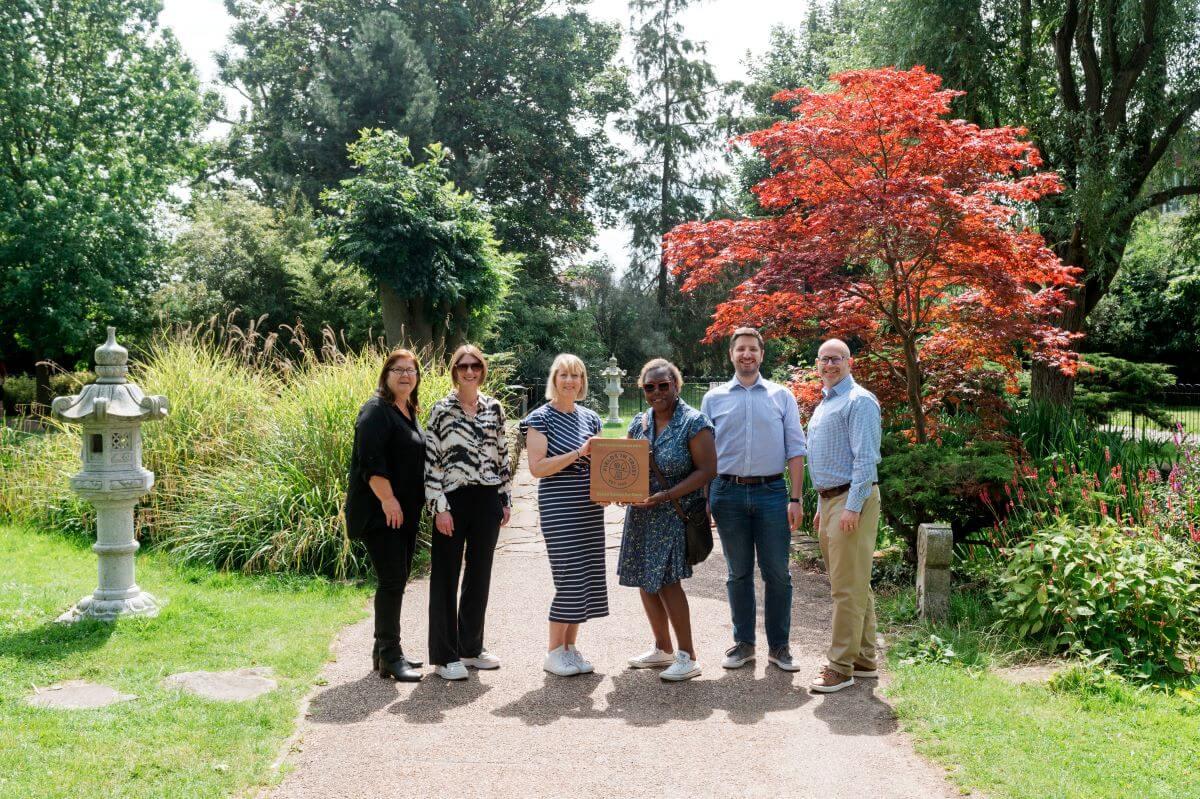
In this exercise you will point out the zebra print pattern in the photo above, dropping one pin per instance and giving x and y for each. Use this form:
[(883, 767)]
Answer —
[(461, 451)]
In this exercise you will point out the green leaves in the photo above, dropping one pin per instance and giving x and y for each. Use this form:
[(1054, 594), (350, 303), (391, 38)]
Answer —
[(429, 246), (100, 110), (1102, 591)]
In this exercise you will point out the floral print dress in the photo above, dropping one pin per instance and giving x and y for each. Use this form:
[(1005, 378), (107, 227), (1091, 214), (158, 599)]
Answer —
[(654, 545)]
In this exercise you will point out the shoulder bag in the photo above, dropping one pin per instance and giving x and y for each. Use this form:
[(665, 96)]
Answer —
[(697, 527)]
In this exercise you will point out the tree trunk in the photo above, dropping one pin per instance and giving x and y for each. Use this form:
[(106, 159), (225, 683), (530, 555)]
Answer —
[(459, 326), (405, 322), (1048, 384), (912, 373), (667, 177), (41, 396)]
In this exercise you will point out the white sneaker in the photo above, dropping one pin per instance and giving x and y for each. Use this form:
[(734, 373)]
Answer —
[(585, 667), (652, 658), (484, 660), (559, 661), (684, 668), (451, 671)]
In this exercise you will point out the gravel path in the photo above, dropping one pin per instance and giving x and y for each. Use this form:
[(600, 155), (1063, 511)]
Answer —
[(518, 731)]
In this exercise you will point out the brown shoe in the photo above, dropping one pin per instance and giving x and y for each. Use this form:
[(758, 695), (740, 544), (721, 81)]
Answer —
[(865, 670), (831, 680)]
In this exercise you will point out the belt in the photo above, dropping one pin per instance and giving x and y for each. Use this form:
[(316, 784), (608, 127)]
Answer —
[(751, 481), (836, 491)]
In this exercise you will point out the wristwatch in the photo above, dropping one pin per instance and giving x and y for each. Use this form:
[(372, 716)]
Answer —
[(793, 499)]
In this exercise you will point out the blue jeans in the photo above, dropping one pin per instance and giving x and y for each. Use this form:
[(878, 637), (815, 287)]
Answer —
[(754, 519)]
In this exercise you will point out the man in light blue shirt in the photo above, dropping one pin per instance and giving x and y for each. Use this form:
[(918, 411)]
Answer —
[(843, 452), (758, 433)]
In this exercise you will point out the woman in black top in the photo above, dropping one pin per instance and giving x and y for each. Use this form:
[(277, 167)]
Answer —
[(383, 504)]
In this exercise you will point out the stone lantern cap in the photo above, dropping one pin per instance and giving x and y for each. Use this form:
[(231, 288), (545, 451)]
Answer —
[(111, 398), (613, 369)]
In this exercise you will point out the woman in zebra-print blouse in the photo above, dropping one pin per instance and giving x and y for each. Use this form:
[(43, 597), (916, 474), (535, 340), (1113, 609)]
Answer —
[(467, 485)]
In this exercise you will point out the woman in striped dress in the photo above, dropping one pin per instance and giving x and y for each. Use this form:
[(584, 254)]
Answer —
[(558, 438)]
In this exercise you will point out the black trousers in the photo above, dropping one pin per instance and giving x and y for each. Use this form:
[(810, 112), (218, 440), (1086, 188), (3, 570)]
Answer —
[(391, 554), (456, 622)]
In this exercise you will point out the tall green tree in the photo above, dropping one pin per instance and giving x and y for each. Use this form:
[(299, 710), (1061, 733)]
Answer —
[(364, 71), (98, 114), (673, 175), (1110, 92), (431, 248), (1152, 311), (518, 93)]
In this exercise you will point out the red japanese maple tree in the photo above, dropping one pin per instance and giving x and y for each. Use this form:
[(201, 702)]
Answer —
[(891, 223)]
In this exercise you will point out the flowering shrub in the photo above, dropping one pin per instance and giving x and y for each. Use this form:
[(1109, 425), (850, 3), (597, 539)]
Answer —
[(1171, 505), (1105, 592)]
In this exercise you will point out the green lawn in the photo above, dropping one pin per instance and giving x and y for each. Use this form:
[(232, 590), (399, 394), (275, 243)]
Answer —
[(163, 744), (615, 430), (1031, 742)]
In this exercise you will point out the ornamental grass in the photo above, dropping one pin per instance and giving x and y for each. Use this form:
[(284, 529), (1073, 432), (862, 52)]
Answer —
[(251, 462)]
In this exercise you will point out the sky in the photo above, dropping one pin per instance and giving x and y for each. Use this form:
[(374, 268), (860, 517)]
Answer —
[(728, 27)]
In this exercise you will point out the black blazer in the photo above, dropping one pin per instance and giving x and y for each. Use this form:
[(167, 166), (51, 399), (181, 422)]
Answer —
[(386, 444)]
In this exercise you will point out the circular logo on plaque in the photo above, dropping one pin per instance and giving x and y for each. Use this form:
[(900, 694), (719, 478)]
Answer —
[(619, 470)]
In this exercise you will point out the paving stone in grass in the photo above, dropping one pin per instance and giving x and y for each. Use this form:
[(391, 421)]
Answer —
[(77, 695), (241, 685)]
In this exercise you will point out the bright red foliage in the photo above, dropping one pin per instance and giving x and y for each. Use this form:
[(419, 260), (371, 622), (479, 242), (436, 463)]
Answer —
[(897, 226)]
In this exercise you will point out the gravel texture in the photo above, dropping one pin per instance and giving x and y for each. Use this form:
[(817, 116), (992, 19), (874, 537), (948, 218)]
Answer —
[(518, 731)]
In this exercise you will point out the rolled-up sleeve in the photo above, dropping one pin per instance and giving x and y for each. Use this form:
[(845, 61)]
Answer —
[(794, 443), (865, 432), (371, 438)]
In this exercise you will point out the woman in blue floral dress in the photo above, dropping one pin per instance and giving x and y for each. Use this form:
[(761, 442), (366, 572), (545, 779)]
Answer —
[(653, 549)]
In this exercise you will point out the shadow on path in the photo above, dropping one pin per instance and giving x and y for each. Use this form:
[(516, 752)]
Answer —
[(352, 702), (857, 711), (433, 696)]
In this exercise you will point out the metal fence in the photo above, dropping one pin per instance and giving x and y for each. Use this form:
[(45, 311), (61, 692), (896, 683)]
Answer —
[(631, 401), (1181, 405), (1180, 402)]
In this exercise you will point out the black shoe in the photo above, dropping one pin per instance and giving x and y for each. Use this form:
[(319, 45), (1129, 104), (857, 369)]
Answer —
[(375, 660), (401, 670)]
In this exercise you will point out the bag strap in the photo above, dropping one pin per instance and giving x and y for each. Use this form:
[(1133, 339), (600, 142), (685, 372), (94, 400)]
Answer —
[(658, 472)]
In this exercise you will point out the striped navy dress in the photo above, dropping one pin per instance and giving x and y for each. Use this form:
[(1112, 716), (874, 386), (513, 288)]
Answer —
[(572, 524)]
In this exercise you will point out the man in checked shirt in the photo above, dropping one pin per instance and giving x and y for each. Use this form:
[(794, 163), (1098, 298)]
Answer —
[(843, 450)]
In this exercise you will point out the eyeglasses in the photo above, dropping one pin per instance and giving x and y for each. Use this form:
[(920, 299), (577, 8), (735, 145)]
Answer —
[(473, 366), (664, 386), (831, 360), (403, 370)]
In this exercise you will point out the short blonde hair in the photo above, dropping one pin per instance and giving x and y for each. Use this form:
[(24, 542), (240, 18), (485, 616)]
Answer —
[(570, 364), (467, 349)]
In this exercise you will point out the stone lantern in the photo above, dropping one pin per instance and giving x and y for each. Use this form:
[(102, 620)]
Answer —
[(111, 411), (613, 374)]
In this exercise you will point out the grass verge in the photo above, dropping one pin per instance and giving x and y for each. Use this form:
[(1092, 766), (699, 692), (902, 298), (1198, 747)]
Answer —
[(1094, 738), (164, 743)]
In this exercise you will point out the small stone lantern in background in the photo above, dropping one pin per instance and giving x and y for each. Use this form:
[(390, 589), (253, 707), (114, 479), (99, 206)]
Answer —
[(614, 374), (111, 411)]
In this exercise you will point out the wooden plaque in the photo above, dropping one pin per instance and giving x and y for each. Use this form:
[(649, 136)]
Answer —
[(620, 470)]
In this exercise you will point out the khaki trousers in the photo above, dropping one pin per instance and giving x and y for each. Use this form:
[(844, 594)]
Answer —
[(848, 558)]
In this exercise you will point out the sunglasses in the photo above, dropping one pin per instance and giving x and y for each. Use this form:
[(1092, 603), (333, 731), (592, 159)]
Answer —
[(664, 387), (473, 366)]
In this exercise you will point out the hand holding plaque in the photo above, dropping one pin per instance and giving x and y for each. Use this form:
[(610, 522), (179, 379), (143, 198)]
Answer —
[(620, 469)]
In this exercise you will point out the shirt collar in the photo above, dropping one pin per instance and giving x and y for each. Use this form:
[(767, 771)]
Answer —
[(758, 383), (680, 407), (843, 386)]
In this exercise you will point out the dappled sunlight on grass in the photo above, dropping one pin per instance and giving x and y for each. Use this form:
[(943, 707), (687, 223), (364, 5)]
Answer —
[(163, 743)]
